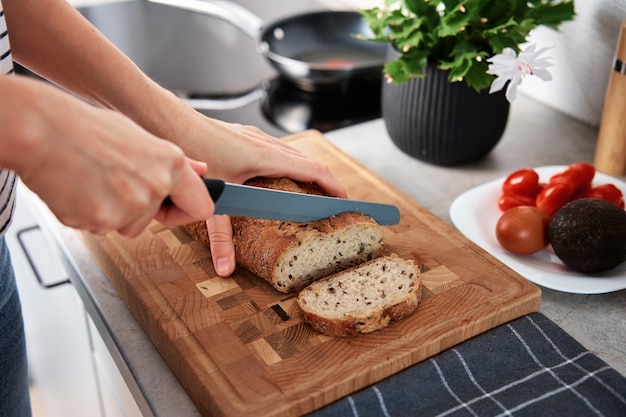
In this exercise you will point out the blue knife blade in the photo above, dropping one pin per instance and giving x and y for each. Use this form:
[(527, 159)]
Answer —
[(264, 203)]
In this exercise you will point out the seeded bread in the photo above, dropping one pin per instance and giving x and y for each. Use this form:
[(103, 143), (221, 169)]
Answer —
[(362, 299), (291, 255)]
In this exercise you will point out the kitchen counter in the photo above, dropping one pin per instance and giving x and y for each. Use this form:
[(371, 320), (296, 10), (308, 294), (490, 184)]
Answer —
[(536, 135)]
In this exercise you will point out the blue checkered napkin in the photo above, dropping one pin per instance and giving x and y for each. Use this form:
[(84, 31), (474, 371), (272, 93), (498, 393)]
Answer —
[(528, 367)]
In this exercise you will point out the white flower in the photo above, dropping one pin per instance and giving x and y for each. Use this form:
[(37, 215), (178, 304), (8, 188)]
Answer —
[(511, 67)]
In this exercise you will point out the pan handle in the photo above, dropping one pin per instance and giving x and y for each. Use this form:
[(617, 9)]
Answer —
[(229, 11)]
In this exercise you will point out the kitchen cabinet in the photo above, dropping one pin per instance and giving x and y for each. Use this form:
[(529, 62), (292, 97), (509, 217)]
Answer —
[(71, 371), (56, 333), (117, 401)]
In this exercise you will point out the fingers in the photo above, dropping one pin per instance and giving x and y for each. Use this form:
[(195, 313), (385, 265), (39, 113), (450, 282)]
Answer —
[(191, 201), (198, 166), (222, 247), (319, 174), (304, 169), (278, 158), (188, 194), (134, 228)]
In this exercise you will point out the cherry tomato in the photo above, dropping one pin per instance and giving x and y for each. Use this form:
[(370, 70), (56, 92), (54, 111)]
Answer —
[(579, 174), (608, 192), (524, 181), (584, 171), (554, 196), (508, 201), (523, 230), (581, 193)]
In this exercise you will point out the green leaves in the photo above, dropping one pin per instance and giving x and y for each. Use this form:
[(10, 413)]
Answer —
[(551, 15), (458, 35), (453, 23)]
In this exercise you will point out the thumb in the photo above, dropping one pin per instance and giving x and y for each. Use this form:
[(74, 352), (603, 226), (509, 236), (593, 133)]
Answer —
[(222, 247)]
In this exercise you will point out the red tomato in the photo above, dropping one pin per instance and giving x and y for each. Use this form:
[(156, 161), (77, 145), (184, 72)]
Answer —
[(581, 192), (523, 230), (579, 174), (584, 171), (524, 181), (560, 177), (608, 192), (508, 201), (554, 196)]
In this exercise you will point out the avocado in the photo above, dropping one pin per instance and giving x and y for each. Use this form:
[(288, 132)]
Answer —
[(589, 235)]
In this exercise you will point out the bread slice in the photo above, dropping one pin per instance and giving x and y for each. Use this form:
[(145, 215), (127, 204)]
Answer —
[(291, 255), (364, 298)]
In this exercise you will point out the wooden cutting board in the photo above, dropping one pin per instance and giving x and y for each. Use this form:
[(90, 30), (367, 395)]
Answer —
[(239, 347)]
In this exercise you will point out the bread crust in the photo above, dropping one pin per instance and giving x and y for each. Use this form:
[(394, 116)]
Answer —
[(262, 245), (352, 325)]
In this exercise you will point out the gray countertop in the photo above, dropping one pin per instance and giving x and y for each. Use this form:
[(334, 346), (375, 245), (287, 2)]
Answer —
[(536, 135)]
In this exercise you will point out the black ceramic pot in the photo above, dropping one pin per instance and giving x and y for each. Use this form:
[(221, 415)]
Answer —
[(440, 122)]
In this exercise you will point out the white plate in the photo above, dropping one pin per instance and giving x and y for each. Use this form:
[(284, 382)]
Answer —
[(475, 213)]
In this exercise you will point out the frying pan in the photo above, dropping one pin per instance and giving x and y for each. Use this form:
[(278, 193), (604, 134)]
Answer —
[(315, 50)]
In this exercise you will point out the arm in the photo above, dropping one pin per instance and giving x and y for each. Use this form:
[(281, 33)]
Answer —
[(78, 158), (52, 39)]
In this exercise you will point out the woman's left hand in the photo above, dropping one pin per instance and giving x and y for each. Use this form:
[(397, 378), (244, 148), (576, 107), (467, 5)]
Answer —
[(236, 153)]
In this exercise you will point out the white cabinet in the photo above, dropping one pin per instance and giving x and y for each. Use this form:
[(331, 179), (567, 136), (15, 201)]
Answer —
[(117, 401), (60, 365), (71, 371)]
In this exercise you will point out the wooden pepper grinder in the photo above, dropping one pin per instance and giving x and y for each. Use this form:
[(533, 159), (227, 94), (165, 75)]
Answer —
[(610, 155)]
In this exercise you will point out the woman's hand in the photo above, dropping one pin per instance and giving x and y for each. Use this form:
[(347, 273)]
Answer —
[(237, 153), (96, 169)]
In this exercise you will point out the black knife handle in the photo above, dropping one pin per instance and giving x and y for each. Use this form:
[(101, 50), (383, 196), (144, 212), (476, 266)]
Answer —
[(213, 185)]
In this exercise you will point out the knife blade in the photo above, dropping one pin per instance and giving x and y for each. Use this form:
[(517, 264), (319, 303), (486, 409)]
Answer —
[(265, 203)]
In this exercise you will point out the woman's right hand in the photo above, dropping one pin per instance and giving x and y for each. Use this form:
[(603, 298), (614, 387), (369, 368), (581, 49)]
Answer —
[(96, 169)]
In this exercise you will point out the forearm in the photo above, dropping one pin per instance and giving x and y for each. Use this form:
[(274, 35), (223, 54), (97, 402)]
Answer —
[(53, 40), (23, 104)]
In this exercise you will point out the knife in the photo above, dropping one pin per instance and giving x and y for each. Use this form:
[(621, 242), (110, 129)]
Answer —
[(264, 203)]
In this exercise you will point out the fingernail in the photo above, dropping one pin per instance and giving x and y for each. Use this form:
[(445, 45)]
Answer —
[(223, 266)]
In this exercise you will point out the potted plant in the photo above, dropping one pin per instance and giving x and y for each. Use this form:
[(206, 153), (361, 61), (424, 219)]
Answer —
[(443, 56)]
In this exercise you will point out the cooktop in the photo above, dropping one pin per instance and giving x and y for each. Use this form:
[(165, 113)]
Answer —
[(218, 70)]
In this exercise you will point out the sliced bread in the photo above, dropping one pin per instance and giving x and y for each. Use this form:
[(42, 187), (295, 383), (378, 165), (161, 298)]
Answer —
[(362, 299), (291, 255)]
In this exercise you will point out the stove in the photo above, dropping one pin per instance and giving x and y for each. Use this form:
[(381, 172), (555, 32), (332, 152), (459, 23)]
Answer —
[(218, 70), (277, 107)]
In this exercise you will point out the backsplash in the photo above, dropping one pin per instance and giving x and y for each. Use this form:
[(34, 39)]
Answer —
[(582, 56)]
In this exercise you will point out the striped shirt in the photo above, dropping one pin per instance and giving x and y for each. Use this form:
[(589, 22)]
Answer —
[(8, 182)]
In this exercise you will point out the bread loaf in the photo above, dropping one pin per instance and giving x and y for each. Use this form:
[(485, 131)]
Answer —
[(362, 299), (291, 255)]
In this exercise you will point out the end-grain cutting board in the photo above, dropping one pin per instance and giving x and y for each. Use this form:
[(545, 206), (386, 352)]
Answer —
[(240, 348)]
